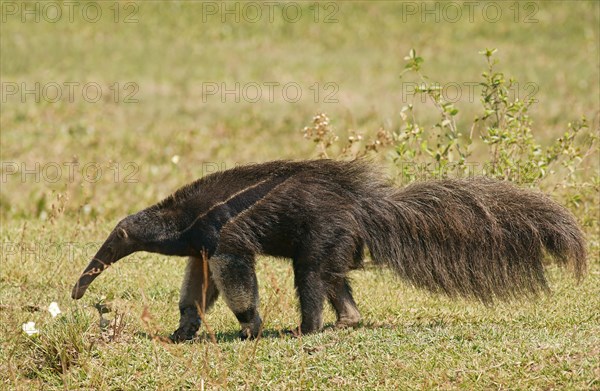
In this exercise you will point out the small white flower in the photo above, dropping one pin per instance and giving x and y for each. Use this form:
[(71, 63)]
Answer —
[(29, 328), (175, 159), (54, 309)]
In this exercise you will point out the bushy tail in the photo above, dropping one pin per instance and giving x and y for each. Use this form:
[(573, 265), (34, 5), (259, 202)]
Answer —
[(477, 238)]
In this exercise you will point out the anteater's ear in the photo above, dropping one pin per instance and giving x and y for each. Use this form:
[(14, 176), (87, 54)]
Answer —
[(122, 234)]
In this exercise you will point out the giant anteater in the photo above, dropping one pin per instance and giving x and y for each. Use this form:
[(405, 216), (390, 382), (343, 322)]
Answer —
[(476, 238)]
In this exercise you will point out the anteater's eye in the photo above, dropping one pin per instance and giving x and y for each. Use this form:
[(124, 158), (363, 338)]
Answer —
[(121, 233)]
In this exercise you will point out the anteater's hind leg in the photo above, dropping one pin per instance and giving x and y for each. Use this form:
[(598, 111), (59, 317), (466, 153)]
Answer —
[(311, 292), (339, 292), (236, 280), (191, 297), (321, 274), (340, 297)]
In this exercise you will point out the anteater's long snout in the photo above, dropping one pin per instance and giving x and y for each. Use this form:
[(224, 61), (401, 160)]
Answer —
[(111, 251), (90, 273)]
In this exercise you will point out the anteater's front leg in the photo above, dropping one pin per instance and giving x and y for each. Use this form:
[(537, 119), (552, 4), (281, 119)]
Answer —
[(236, 280), (192, 290)]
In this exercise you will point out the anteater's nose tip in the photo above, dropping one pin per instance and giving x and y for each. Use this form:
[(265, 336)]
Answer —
[(78, 291)]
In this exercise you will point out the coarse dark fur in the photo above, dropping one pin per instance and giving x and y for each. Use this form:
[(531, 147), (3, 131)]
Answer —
[(478, 238)]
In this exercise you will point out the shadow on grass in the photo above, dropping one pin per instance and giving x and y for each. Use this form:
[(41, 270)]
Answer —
[(233, 335), (225, 336)]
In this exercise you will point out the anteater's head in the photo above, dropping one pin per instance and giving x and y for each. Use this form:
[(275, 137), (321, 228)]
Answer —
[(142, 231)]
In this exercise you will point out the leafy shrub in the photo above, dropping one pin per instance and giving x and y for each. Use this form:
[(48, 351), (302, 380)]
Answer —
[(502, 131)]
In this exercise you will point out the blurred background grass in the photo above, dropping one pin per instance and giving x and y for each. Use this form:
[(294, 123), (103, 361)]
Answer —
[(174, 134), (173, 48)]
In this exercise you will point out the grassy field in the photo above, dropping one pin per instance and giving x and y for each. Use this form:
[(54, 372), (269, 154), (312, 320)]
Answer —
[(149, 101)]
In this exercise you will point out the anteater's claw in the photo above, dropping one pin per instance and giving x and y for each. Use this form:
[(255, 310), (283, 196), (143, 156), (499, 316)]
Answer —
[(182, 334)]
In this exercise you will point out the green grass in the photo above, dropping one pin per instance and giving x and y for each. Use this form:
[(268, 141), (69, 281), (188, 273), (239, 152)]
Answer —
[(408, 339)]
